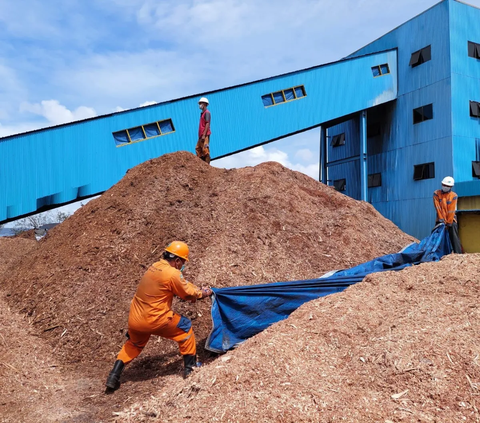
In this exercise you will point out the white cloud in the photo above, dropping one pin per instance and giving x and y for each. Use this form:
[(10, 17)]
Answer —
[(148, 103), (262, 154), (128, 77), (16, 129), (304, 154), (57, 113), (11, 88)]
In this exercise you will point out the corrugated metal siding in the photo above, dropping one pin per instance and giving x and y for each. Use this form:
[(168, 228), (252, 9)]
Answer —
[(404, 144), (64, 163), (465, 87), (428, 28), (351, 173), (418, 214)]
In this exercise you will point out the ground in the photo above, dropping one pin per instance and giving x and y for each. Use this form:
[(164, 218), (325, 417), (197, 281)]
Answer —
[(398, 346)]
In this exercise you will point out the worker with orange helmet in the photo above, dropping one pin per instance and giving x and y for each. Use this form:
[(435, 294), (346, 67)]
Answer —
[(445, 202), (151, 311)]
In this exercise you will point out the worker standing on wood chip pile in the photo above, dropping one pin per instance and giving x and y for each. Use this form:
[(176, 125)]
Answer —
[(203, 144), (445, 201), (151, 312)]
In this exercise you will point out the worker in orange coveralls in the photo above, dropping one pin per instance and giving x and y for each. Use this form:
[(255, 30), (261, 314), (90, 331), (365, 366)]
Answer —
[(445, 201), (151, 311)]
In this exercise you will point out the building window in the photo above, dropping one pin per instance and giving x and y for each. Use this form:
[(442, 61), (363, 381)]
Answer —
[(421, 56), (374, 180), (380, 70), (424, 171), (474, 109), (340, 184), (423, 113), (474, 50), (476, 169), (338, 140), (283, 96), (143, 132)]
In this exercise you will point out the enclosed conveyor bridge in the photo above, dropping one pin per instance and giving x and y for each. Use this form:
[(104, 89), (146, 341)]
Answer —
[(50, 167)]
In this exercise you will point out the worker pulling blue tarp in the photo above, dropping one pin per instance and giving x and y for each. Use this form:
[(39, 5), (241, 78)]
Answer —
[(240, 312)]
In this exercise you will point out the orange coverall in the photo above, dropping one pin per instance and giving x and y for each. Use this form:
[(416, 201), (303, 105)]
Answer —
[(446, 205), (151, 311)]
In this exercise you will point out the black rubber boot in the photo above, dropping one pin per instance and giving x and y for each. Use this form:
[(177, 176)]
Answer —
[(113, 379), (190, 361)]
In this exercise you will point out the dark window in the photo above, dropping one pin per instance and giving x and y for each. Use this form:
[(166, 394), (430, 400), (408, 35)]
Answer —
[(474, 50), (283, 96), (340, 184), (338, 140), (380, 70), (300, 91), (278, 97), (144, 132), (385, 69), (424, 171), (374, 180), (423, 113), (421, 56), (474, 109), (373, 130), (136, 134), (166, 126), (476, 169), (151, 130), (289, 94), (121, 137), (267, 100)]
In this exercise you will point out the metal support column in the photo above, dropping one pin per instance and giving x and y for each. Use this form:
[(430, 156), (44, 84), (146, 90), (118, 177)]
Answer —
[(363, 156), (323, 155)]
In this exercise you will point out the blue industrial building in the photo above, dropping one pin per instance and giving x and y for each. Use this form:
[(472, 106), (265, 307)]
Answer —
[(395, 117)]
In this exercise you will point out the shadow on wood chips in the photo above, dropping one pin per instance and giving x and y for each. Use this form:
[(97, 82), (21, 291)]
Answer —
[(66, 301)]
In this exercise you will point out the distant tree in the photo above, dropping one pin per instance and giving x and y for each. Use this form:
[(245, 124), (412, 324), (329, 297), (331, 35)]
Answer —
[(30, 222), (36, 221), (61, 216)]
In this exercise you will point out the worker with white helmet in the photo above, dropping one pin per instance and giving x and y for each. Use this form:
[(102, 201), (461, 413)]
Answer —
[(203, 144), (445, 201)]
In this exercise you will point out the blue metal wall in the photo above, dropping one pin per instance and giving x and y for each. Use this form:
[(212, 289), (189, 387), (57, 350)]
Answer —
[(464, 27), (447, 82), (65, 163)]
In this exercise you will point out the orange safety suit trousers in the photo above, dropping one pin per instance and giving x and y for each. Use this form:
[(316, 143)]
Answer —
[(178, 329), (202, 151)]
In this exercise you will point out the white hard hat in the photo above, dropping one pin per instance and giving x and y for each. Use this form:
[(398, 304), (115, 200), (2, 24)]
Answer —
[(448, 181), (203, 100)]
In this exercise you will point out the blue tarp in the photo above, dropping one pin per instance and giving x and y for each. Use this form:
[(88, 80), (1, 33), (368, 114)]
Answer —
[(243, 311)]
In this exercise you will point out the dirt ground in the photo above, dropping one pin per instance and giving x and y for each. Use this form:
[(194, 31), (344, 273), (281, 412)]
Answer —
[(64, 306)]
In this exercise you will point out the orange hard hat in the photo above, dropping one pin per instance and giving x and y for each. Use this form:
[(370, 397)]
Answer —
[(178, 248)]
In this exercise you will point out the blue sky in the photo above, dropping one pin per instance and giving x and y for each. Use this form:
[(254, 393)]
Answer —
[(62, 60)]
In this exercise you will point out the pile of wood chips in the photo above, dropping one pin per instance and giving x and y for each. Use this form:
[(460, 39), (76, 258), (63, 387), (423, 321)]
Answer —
[(396, 346)]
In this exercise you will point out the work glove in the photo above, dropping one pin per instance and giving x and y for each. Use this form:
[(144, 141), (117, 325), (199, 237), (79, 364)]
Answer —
[(206, 292)]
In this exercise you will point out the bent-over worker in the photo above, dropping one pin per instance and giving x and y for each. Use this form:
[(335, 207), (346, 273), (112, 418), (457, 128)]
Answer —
[(151, 311), (445, 201)]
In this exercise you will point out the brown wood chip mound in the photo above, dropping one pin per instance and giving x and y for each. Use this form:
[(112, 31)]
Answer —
[(397, 347), (245, 226)]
